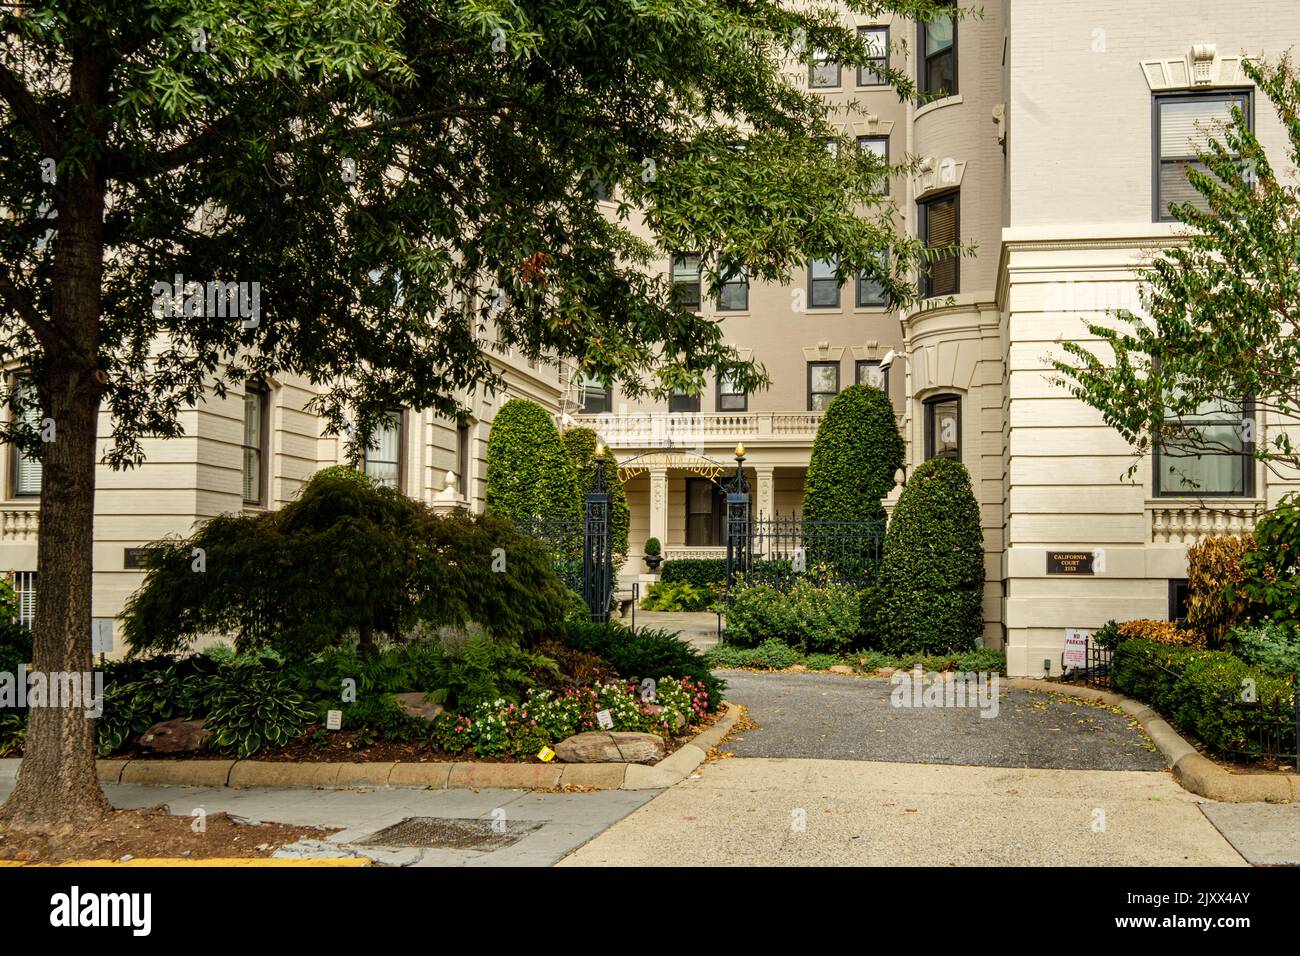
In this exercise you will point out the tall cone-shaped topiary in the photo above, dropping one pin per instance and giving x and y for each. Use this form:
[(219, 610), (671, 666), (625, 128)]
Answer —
[(932, 578), (854, 457), (529, 472)]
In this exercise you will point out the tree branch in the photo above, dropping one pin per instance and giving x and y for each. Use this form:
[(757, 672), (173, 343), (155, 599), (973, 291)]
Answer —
[(28, 110)]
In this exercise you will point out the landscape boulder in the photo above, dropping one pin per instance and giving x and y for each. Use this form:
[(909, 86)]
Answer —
[(175, 736), (600, 746), (414, 705)]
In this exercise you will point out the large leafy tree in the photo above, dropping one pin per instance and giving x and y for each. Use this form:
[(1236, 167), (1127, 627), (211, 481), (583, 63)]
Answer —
[(1220, 340), (396, 175)]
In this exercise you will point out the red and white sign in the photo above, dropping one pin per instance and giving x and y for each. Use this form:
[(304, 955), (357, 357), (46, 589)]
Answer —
[(1076, 644)]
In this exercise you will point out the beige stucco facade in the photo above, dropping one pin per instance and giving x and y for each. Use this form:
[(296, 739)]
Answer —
[(1047, 142)]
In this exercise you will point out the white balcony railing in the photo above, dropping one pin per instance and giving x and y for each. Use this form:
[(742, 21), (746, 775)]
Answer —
[(688, 429), (19, 525), (1189, 522)]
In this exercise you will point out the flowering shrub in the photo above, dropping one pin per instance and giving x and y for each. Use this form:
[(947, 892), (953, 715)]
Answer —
[(499, 728)]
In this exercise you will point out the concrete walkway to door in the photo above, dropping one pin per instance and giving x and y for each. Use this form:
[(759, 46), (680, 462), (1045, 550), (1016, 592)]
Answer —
[(698, 628), (833, 775)]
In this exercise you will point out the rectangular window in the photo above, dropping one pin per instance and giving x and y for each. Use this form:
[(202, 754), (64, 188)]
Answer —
[(704, 511), (1184, 125), (870, 292), (880, 146), (824, 73), (463, 443), (871, 372), (823, 284), (25, 596), (937, 42), (597, 397), (27, 468), (943, 427), (823, 384), (254, 444), (1185, 465), (686, 281), (680, 401), (733, 296), (876, 40), (1178, 593), (384, 456), (939, 222), (730, 397)]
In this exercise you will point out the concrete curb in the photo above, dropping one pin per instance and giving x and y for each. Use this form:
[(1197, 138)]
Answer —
[(1193, 771), (465, 775)]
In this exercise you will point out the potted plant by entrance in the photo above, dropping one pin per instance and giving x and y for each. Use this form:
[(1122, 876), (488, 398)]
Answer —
[(653, 555)]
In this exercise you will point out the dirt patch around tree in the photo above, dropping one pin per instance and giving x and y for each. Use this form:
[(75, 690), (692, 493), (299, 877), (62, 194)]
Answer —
[(152, 832)]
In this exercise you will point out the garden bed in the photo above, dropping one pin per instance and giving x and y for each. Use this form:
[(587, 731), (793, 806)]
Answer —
[(152, 833)]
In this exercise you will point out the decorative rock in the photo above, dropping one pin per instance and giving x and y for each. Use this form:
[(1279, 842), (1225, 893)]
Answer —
[(599, 746), (840, 669), (798, 669), (175, 736), (414, 705)]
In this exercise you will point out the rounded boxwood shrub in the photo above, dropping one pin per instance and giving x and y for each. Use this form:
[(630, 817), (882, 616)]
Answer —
[(854, 457), (581, 445), (932, 576), (529, 472)]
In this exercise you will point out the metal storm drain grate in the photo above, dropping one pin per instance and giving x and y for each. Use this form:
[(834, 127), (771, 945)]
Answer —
[(451, 834)]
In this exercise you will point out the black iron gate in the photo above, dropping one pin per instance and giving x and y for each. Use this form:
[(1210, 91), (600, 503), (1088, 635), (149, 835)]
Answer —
[(582, 551)]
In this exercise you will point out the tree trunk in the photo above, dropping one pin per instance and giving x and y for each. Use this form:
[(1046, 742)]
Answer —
[(366, 645), (58, 787), (57, 783)]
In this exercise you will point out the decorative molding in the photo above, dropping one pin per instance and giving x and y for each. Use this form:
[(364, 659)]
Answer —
[(937, 174), (823, 352), (869, 351), (873, 125), (1200, 66)]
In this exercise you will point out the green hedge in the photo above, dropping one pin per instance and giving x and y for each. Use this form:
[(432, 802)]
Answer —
[(529, 472), (854, 457), (810, 618), (1197, 691), (700, 572), (932, 577), (581, 445)]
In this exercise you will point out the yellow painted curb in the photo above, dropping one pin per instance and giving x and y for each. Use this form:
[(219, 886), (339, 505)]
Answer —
[(212, 861)]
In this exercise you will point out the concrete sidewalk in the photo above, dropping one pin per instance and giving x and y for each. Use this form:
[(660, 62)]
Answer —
[(796, 812), (567, 820)]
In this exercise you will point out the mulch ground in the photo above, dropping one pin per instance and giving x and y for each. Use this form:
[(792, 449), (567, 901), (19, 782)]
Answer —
[(153, 832)]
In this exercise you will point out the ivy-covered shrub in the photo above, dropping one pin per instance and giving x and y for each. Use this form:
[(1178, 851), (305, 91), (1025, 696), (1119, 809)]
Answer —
[(679, 596), (702, 573), (645, 652), (1162, 632), (932, 578), (854, 457), (1272, 647), (1200, 691), (1214, 573), (529, 471), (804, 616), (581, 445), (1271, 569), (345, 561)]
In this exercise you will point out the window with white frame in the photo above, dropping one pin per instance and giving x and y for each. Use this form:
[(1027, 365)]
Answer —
[(254, 443), (27, 467), (686, 281), (824, 73), (383, 462), (1206, 452)]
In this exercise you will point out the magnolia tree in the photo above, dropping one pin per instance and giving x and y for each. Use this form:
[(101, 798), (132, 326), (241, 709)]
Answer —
[(1217, 354), (200, 192)]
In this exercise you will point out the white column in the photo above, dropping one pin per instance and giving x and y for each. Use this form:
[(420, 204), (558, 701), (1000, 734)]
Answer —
[(659, 505), (765, 502)]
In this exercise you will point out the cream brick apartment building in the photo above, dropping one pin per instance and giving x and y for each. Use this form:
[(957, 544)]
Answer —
[(1054, 144)]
